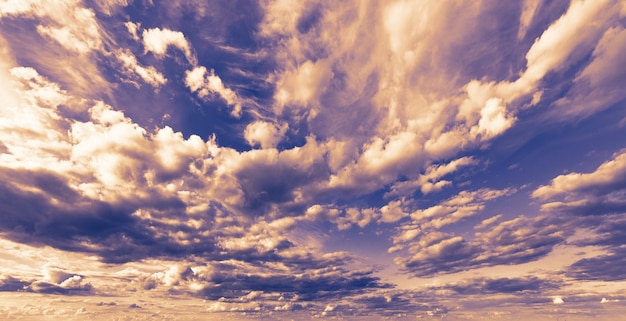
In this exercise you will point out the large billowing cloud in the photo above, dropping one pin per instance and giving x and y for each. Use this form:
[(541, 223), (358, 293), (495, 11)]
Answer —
[(311, 157)]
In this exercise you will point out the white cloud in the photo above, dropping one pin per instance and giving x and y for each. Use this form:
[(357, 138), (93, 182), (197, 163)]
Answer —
[(563, 36), (133, 29), (206, 83), (609, 174), (73, 27), (265, 134), (557, 300), (493, 120), (392, 212), (303, 85), (157, 41)]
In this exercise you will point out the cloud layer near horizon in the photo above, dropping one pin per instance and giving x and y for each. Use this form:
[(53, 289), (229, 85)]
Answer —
[(290, 155)]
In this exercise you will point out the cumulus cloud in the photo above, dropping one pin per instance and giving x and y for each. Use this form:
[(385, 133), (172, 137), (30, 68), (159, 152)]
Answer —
[(364, 121), (157, 41), (265, 134)]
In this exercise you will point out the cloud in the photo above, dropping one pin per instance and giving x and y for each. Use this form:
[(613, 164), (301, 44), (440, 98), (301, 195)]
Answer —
[(265, 134), (522, 285), (59, 281), (595, 193), (595, 88), (76, 34), (515, 241), (9, 283), (148, 74), (207, 83), (431, 181), (594, 202), (604, 268), (234, 282), (300, 87), (71, 26), (157, 41), (528, 11), (463, 205)]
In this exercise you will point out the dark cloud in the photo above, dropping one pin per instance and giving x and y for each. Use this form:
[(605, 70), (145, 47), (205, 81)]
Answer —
[(235, 281), (269, 179), (9, 283), (505, 285), (601, 268), (56, 215), (308, 287), (516, 241)]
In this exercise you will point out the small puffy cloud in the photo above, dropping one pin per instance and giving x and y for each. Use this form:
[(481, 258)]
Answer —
[(206, 83), (605, 300), (392, 212), (157, 41), (133, 29), (265, 134)]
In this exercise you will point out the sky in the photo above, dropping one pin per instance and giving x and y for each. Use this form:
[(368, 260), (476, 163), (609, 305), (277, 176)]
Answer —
[(305, 160)]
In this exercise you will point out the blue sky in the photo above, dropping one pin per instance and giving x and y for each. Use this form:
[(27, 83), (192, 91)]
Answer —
[(279, 160)]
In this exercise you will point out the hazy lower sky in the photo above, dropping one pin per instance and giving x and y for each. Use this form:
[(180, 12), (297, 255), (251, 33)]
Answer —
[(296, 160)]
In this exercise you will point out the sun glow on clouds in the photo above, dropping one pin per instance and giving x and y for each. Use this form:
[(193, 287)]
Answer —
[(295, 131)]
